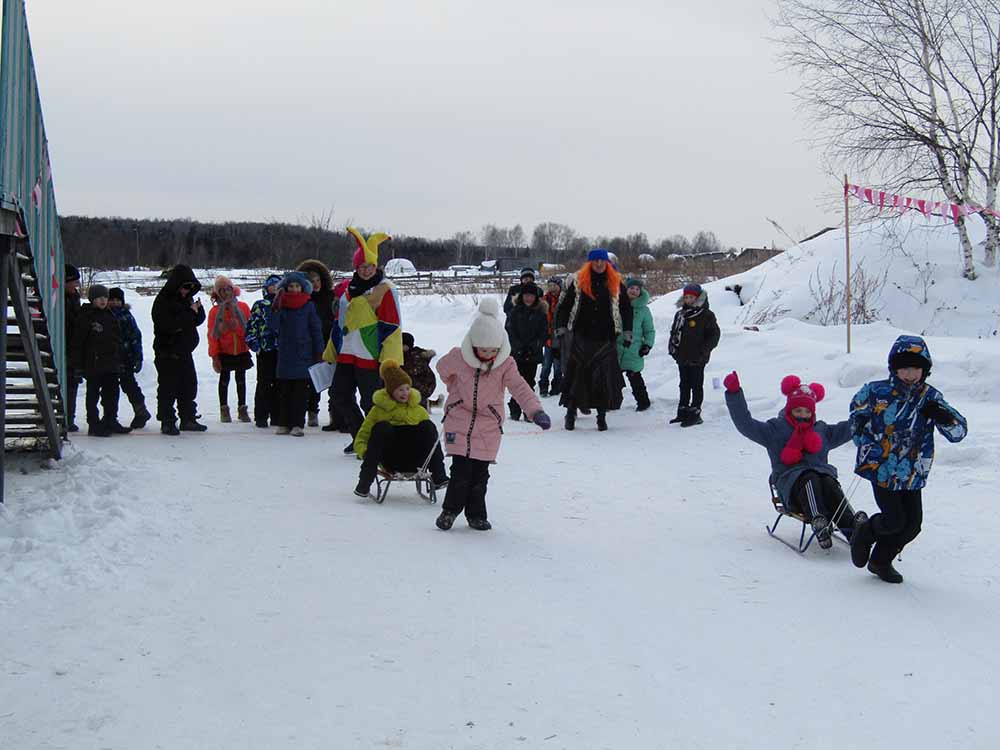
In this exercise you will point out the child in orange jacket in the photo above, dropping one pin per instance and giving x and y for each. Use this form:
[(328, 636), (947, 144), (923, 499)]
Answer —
[(227, 345)]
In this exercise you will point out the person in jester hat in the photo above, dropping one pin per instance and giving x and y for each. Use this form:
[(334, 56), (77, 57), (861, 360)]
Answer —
[(367, 333), (893, 422)]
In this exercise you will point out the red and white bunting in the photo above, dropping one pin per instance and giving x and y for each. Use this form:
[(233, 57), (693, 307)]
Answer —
[(902, 204)]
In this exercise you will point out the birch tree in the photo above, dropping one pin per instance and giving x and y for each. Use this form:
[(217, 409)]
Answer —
[(905, 92)]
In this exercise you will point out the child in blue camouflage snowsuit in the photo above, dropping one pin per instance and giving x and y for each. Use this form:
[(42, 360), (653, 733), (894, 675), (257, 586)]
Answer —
[(893, 422), (131, 340), (264, 341)]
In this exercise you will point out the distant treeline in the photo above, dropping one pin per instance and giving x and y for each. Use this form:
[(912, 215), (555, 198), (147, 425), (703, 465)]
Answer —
[(121, 243)]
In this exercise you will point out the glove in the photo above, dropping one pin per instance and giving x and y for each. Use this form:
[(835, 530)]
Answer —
[(542, 420), (644, 350), (732, 382), (937, 413), (217, 364), (627, 337)]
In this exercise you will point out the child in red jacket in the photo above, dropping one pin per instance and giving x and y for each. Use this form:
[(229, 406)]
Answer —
[(227, 345)]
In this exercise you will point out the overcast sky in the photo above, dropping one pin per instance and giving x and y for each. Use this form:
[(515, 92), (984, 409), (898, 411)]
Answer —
[(429, 117)]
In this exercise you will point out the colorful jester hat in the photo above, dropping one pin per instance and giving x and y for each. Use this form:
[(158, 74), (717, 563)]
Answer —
[(367, 251)]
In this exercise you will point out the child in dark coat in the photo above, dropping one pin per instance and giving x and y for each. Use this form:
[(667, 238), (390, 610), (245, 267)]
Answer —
[(798, 447), (693, 336), (97, 354), (300, 345), (261, 339), (417, 364), (131, 338), (528, 330), (893, 423)]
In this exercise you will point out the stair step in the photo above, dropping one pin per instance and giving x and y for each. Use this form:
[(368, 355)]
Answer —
[(15, 434), (22, 356), (36, 419), (36, 322), (27, 390), (19, 373)]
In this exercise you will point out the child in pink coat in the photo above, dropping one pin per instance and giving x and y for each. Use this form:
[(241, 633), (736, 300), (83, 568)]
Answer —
[(477, 375)]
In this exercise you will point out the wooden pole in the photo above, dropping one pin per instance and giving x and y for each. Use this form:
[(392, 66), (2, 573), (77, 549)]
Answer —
[(847, 248)]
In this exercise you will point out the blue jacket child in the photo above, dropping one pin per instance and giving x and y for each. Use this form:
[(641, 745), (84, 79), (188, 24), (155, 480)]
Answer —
[(131, 346), (893, 422), (260, 336), (299, 334)]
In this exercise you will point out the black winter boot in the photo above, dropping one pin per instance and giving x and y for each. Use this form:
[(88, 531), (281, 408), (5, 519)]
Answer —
[(602, 421), (681, 414), (571, 419), (692, 417), (169, 428), (117, 428), (543, 388), (192, 425), (142, 416), (98, 430), (886, 572), (480, 524), (821, 528), (445, 520), (861, 544)]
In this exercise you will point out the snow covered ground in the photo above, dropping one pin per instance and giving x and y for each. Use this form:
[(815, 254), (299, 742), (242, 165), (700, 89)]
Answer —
[(227, 590)]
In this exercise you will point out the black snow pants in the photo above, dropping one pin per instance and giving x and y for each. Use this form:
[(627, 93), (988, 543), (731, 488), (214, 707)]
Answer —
[(402, 448), (467, 488), (176, 382), (815, 494), (897, 524)]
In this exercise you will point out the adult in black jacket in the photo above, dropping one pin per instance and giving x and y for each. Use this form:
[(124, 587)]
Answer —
[(176, 317), (96, 353), (593, 311), (323, 299), (71, 291), (693, 336), (527, 329), (527, 277)]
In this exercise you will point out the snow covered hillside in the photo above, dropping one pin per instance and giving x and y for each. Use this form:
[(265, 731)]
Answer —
[(227, 590), (907, 273)]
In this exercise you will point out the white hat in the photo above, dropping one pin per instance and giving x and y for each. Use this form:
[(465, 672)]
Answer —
[(487, 331)]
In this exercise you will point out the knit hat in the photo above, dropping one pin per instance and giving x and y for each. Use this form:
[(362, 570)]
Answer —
[(296, 277), (97, 290), (408, 340), (71, 273), (367, 251), (393, 376), (693, 289), (801, 395), (900, 360), (272, 280), (598, 253), (221, 282), (487, 329), (531, 289), (529, 272), (117, 293), (633, 282), (557, 280)]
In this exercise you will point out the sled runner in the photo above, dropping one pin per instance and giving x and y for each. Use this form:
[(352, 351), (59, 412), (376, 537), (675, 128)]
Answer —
[(804, 541), (421, 478)]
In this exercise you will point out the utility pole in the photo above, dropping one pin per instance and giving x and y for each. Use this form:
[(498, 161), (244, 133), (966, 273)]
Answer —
[(136, 229)]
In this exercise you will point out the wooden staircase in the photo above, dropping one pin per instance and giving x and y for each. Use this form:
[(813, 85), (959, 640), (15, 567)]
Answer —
[(32, 416)]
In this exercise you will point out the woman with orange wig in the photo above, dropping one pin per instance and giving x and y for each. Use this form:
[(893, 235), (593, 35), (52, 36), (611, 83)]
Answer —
[(593, 311)]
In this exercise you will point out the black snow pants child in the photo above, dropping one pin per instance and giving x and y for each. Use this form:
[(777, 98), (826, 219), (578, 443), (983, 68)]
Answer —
[(467, 491), (266, 395), (898, 523)]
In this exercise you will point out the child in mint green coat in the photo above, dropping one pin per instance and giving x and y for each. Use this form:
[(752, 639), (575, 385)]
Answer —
[(631, 355)]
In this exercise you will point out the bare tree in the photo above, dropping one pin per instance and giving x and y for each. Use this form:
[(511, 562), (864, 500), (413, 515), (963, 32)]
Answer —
[(905, 91), (551, 238), (463, 240)]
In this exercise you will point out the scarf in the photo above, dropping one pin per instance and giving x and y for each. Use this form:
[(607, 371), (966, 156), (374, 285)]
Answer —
[(229, 319), (359, 286), (681, 319), (290, 300), (804, 439)]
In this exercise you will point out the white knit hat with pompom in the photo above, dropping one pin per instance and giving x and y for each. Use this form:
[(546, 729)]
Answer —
[(487, 329)]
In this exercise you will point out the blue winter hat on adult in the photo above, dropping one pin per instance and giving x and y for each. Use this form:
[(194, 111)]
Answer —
[(598, 253), (296, 277)]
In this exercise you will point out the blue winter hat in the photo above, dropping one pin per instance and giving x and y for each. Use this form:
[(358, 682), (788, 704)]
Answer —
[(271, 280), (598, 253), (296, 277), (693, 288)]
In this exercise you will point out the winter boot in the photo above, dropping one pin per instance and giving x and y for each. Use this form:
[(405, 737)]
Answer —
[(169, 428), (643, 403), (861, 544), (681, 415), (142, 416), (585, 412), (297, 432), (886, 572), (313, 419), (821, 529), (479, 524), (244, 414), (349, 449), (224, 416), (191, 425), (543, 388), (117, 428), (98, 430), (445, 520), (515, 410), (364, 489), (571, 419), (282, 431), (332, 427), (602, 421), (692, 417)]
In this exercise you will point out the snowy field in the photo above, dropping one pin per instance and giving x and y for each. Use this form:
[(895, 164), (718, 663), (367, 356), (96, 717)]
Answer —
[(227, 590)]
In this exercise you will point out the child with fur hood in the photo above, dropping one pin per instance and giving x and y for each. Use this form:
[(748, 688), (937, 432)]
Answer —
[(693, 336), (893, 423), (477, 374), (227, 345), (798, 447), (296, 324), (397, 433)]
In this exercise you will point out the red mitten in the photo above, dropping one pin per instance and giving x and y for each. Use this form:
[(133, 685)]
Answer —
[(790, 456), (732, 382)]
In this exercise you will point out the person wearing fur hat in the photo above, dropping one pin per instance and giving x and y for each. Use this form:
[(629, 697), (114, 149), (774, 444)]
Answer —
[(322, 297), (397, 433), (177, 313), (527, 277), (631, 356), (71, 308), (893, 422), (299, 334), (551, 364), (261, 339), (368, 332), (131, 338), (477, 374), (693, 336), (417, 364), (527, 329), (227, 345), (799, 447), (593, 312), (96, 352)]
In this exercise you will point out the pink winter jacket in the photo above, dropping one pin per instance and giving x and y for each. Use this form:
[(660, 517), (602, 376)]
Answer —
[(474, 411)]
